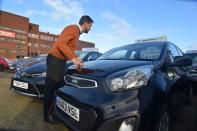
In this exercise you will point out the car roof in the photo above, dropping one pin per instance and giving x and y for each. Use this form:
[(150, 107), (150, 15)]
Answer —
[(159, 42)]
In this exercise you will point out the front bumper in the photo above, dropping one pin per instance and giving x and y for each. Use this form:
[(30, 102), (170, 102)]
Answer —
[(87, 117), (194, 77), (35, 90), (91, 117)]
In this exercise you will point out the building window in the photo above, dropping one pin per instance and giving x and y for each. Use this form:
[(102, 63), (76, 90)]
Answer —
[(20, 46), (34, 54), (44, 37), (11, 40), (34, 45), (45, 46), (31, 35), (20, 36), (12, 29)]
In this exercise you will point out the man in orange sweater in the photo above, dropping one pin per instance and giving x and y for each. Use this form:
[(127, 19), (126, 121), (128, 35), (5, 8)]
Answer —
[(63, 49)]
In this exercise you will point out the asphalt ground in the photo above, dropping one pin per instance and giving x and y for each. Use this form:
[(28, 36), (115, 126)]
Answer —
[(23, 113)]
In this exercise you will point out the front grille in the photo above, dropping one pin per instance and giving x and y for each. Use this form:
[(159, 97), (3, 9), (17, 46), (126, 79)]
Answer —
[(25, 74), (31, 88), (87, 116), (80, 82)]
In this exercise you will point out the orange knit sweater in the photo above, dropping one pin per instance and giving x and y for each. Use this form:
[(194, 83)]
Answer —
[(66, 44)]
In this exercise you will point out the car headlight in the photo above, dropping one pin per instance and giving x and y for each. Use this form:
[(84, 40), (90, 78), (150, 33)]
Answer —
[(130, 79), (39, 74), (127, 125), (43, 74)]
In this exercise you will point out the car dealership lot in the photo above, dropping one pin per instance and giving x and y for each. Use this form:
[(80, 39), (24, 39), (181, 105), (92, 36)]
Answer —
[(19, 112)]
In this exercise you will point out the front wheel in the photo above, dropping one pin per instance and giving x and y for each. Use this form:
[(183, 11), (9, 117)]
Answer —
[(164, 121)]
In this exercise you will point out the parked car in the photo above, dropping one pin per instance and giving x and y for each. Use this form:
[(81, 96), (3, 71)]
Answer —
[(193, 69), (31, 80), (3, 64), (12, 64), (137, 87), (30, 61)]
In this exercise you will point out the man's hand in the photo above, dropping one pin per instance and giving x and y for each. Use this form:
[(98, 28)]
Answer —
[(78, 63)]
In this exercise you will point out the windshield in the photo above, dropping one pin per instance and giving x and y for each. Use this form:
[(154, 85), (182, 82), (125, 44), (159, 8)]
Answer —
[(81, 54), (78, 53), (193, 56), (143, 51)]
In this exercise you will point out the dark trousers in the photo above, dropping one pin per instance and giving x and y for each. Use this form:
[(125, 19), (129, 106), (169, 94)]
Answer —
[(54, 79)]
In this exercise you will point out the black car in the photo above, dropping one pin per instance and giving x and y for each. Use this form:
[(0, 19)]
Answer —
[(193, 69), (13, 63), (30, 61), (31, 80), (137, 87)]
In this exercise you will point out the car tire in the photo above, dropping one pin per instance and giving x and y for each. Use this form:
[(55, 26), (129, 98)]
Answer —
[(164, 121), (1, 68)]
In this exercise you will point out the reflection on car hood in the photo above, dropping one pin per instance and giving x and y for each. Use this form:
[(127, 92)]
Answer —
[(35, 68), (105, 67), (40, 67)]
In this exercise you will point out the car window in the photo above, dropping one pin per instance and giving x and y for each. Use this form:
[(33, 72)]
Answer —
[(195, 59), (142, 51), (180, 52), (173, 52), (120, 54), (83, 54), (93, 56), (78, 52), (150, 53), (193, 56)]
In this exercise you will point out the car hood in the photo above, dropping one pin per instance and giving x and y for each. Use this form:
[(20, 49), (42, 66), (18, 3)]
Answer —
[(35, 68), (105, 67), (40, 67), (25, 63)]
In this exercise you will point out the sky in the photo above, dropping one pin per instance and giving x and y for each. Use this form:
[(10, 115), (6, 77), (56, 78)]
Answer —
[(116, 22)]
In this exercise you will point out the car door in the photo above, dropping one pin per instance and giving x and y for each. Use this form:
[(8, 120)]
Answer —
[(175, 78)]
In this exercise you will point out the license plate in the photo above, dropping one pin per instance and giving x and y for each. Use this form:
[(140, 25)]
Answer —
[(67, 108), (20, 84), (11, 68)]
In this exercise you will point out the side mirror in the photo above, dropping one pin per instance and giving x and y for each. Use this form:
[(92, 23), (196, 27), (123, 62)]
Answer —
[(182, 61)]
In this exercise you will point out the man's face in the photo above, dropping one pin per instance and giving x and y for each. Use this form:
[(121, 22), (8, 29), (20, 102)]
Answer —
[(87, 27)]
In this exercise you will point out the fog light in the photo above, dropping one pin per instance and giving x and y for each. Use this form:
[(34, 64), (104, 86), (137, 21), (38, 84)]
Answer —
[(127, 125)]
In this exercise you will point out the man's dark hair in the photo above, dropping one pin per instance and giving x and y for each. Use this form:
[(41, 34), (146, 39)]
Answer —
[(85, 19)]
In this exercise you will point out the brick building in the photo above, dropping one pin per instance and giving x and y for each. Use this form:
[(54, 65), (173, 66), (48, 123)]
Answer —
[(20, 38)]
